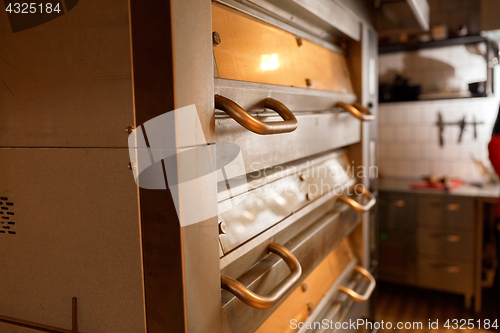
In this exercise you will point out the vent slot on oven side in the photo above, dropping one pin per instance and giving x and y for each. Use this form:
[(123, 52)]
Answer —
[(7, 217)]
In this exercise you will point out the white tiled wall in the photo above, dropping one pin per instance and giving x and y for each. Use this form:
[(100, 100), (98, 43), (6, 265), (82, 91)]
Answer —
[(409, 141)]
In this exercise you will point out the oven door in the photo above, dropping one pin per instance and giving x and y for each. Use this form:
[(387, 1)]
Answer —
[(287, 195), (276, 231), (279, 97)]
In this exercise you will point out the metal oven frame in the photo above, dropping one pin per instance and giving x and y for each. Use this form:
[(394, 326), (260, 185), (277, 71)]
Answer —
[(201, 307), (172, 66)]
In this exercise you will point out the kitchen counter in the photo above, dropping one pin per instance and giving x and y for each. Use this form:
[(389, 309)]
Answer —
[(487, 192), (464, 208)]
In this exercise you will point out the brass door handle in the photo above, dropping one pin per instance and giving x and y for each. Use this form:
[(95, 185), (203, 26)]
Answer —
[(400, 203), (265, 302), (356, 205), (453, 238), (448, 237), (452, 269), (354, 295), (288, 124), (357, 110)]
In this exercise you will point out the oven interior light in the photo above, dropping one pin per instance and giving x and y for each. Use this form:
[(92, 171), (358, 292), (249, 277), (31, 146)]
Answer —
[(269, 62)]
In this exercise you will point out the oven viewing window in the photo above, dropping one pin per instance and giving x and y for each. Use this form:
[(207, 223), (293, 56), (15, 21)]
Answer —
[(253, 51)]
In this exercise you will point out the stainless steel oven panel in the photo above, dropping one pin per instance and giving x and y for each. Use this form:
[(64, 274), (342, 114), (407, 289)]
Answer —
[(260, 209), (351, 312), (331, 175), (315, 134), (250, 96), (337, 306), (309, 246), (267, 205), (263, 177), (255, 249), (321, 21), (342, 312), (321, 126), (331, 15)]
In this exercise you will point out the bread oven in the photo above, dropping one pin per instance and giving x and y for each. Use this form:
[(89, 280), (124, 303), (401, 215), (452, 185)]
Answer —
[(292, 237), (285, 240)]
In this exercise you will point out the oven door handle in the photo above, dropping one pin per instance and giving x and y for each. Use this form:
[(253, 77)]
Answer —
[(288, 124), (356, 205), (354, 295), (265, 302), (357, 110)]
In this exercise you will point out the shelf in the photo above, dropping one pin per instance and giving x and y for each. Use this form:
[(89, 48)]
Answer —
[(433, 99), (446, 95), (431, 44)]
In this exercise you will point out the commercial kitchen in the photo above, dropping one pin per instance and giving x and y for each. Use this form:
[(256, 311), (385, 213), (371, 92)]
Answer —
[(240, 166)]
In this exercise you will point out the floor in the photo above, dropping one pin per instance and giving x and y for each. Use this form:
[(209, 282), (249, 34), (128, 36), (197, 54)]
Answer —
[(396, 303)]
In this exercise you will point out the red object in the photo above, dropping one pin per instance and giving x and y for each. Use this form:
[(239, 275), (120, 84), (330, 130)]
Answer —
[(494, 151), (425, 185)]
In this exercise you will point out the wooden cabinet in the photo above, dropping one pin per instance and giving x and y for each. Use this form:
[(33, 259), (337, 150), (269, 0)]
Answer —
[(447, 244), (442, 212), (427, 240), (445, 274), (400, 210), (397, 246)]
